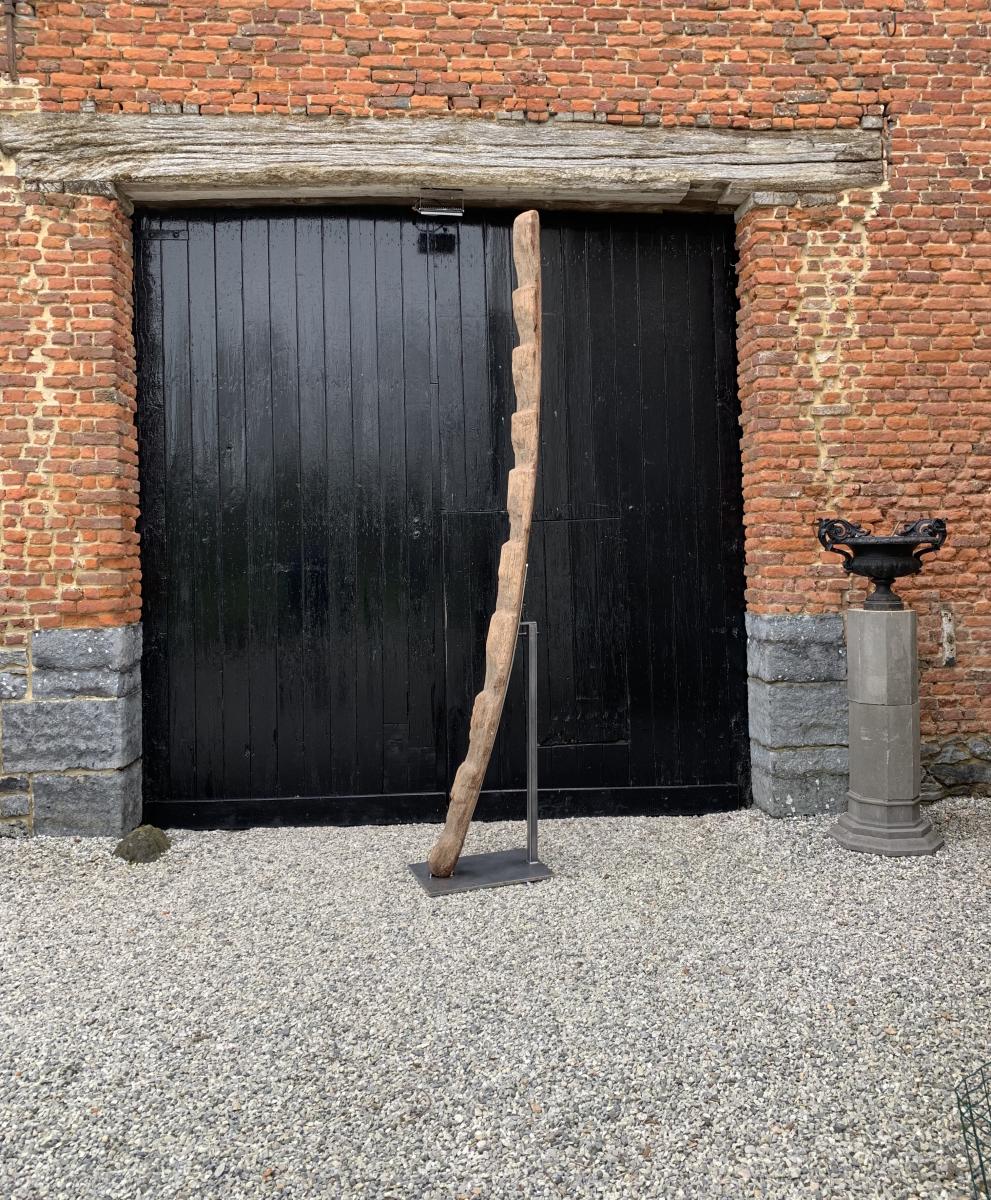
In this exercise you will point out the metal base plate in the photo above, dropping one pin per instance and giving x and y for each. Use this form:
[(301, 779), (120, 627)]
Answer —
[(498, 869)]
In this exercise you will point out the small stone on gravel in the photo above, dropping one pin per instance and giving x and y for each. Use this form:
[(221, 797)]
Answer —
[(143, 845)]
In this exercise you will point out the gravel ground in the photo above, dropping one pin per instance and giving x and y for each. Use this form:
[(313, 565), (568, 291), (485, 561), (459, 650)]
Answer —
[(724, 1006)]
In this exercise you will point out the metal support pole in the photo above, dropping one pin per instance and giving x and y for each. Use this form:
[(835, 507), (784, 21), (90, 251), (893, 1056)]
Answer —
[(529, 630), (501, 867)]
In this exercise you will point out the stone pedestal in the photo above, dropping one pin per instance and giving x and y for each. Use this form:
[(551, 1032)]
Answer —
[(883, 814)]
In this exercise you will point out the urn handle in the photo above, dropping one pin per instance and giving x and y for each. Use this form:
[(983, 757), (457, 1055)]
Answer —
[(930, 532), (834, 533)]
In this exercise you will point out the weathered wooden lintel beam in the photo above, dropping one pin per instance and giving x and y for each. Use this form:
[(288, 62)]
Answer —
[(164, 158)]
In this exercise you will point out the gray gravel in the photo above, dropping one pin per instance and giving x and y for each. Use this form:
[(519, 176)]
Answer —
[(714, 1007)]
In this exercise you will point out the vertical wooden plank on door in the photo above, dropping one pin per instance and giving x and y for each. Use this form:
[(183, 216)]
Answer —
[(180, 516), (617, 647), (460, 586), (552, 484), (580, 317), (593, 320), (368, 497), (559, 582), (445, 269), (500, 279), (208, 674), (652, 667), (679, 566), (425, 745), (235, 552), (604, 365), (583, 726), (341, 504), (153, 523), (316, 645), (484, 417), (288, 515), (590, 523), (389, 290), (458, 648), (707, 655), (732, 604), (261, 491)]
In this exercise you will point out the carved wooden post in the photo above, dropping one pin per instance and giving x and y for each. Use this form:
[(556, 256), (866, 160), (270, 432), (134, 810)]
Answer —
[(501, 641)]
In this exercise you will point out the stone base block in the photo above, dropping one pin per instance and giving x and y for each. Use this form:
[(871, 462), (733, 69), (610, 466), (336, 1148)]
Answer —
[(798, 713), (90, 804), (57, 735), (790, 648), (800, 782), (894, 828), (70, 732)]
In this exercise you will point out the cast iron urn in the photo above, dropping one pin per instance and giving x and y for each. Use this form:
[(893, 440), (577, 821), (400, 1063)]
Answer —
[(882, 558)]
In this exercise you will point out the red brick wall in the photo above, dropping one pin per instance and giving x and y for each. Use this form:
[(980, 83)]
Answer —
[(749, 64), (68, 452), (865, 324), (865, 363)]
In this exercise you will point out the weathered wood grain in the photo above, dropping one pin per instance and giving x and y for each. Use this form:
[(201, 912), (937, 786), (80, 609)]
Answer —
[(160, 157), (500, 643)]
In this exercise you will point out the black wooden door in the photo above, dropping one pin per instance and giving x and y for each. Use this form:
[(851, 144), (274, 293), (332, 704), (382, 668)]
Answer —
[(323, 412)]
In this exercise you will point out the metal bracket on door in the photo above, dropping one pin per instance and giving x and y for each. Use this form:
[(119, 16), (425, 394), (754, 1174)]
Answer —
[(500, 868)]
